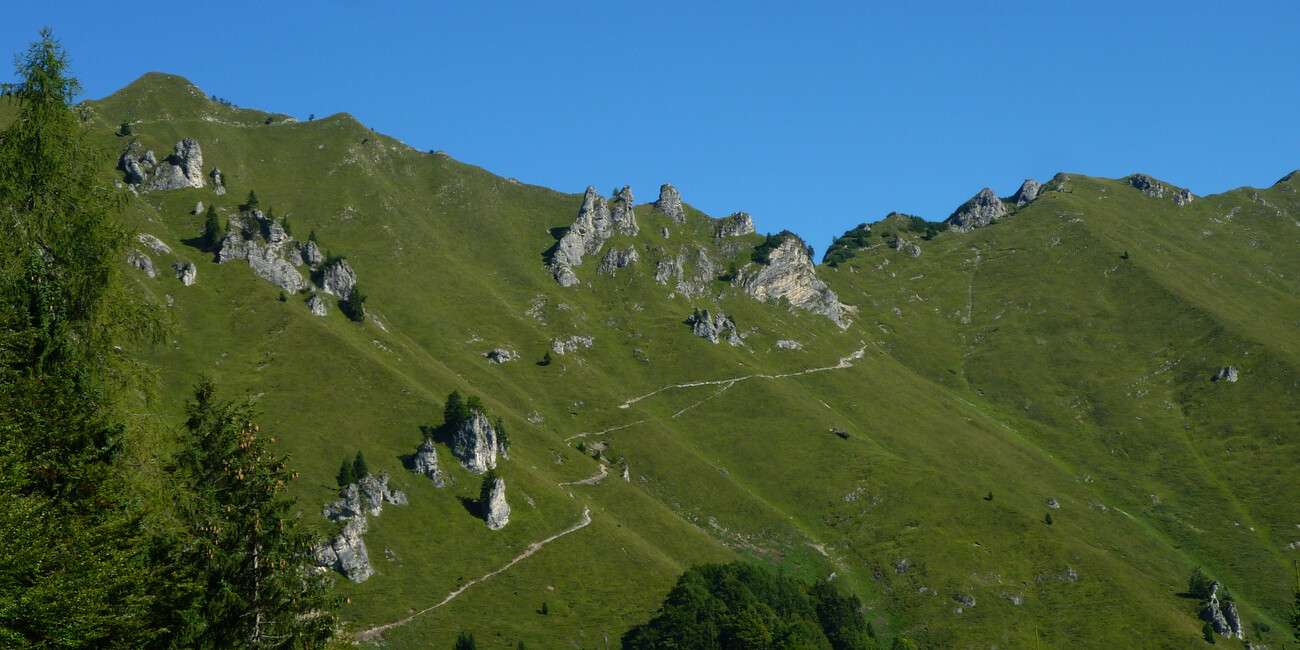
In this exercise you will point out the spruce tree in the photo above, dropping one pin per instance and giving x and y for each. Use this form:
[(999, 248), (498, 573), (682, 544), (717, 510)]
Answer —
[(455, 411), (346, 475), (359, 469), (465, 642), (212, 230), (251, 203)]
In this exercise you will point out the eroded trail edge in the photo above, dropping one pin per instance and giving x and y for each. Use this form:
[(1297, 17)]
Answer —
[(374, 632)]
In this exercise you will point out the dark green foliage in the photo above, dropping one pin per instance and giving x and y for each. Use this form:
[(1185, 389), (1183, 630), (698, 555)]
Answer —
[(1124, 256), (465, 642), (251, 203), (475, 404), (546, 358), (455, 412), (545, 609), (989, 497), (1207, 632), (359, 468), (731, 273), (1047, 519), (346, 475), (1198, 584), (213, 231), (485, 490), (742, 605), (845, 246), (283, 298), (1295, 605), (763, 250), (354, 306), (125, 129), (284, 223), (311, 236), (255, 585), (903, 643), (503, 438)]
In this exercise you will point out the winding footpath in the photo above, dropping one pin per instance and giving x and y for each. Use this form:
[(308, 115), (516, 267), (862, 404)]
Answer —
[(591, 480), (375, 632)]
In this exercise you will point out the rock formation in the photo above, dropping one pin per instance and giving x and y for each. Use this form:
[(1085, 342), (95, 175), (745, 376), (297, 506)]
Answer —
[(347, 552), (670, 203), (1157, 190), (500, 355), (617, 259), (1028, 192), (983, 209), (789, 274), (697, 283), (426, 463), (184, 168), (338, 279), (266, 258), (474, 443), (907, 247), (141, 261), (622, 215), (1225, 619), (198, 208), (1226, 373), (311, 253), (185, 271), (317, 305), (786, 344), (496, 510), (217, 180), (132, 166), (739, 223), (571, 344), (713, 327), (154, 244)]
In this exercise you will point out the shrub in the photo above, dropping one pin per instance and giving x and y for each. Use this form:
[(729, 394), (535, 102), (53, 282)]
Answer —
[(1198, 584)]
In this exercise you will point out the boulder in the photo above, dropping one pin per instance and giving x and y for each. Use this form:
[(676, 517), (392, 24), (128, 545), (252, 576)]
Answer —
[(713, 327), (1028, 192), (1051, 503), (1227, 373), (426, 463), (966, 600), (790, 274), (623, 216), (154, 244), (617, 259), (1184, 196), (184, 168), (670, 204), (185, 271), (500, 355), (571, 344), (474, 444), (338, 279), (786, 344), (983, 209), (141, 261), (347, 552), (267, 262), (739, 223), (129, 163), (497, 511), (217, 180), (311, 253), (198, 208), (907, 247), (317, 305)]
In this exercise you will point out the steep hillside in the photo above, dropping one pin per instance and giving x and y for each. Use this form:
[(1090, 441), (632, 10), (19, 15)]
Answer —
[(1062, 353)]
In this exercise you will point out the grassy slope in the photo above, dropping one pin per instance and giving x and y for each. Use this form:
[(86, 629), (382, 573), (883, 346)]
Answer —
[(1078, 376)]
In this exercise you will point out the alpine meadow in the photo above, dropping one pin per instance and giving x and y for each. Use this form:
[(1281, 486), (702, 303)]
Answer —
[(280, 383)]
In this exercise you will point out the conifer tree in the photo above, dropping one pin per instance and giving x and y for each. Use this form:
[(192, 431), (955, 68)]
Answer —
[(485, 490), (455, 411), (212, 230), (346, 475), (359, 469)]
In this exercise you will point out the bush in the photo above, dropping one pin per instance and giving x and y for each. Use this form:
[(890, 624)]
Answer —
[(125, 129), (1198, 584)]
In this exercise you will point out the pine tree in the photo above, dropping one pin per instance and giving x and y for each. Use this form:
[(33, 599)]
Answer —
[(73, 571), (455, 411), (359, 469), (254, 562), (354, 306), (251, 203), (212, 230), (346, 475), (465, 642)]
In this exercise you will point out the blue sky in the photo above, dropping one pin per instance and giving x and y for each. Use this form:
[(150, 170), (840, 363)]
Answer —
[(810, 116)]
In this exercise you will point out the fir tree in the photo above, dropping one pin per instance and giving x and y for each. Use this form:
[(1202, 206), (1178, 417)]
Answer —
[(503, 438), (359, 469), (212, 229), (455, 411), (465, 642), (354, 306), (251, 203), (346, 476)]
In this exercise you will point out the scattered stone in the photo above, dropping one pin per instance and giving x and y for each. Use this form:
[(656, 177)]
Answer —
[(790, 274), (153, 243), (786, 344), (983, 209), (670, 204), (426, 463), (571, 344), (1227, 373), (902, 566), (497, 510), (965, 600), (185, 271), (739, 223), (907, 248), (1028, 192), (141, 261), (1015, 599), (713, 327), (618, 259), (474, 443), (1051, 503), (500, 355), (338, 279), (316, 305), (198, 208)]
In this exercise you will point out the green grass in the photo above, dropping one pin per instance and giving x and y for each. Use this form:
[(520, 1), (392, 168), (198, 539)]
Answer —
[(1027, 359)]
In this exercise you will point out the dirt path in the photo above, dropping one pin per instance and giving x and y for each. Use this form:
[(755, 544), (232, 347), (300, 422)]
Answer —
[(374, 632), (593, 479), (845, 362), (603, 431)]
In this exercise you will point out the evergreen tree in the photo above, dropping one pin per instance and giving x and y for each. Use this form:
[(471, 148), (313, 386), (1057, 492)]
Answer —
[(346, 476), (546, 358), (465, 642), (474, 404), (212, 229), (503, 438), (455, 410), (359, 469), (254, 562), (251, 203), (354, 306), (485, 490), (73, 570)]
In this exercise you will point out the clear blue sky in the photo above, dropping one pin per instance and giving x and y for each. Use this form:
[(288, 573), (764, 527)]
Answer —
[(810, 116)]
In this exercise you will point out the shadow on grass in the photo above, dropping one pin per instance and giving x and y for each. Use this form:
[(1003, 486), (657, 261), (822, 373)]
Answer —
[(472, 506)]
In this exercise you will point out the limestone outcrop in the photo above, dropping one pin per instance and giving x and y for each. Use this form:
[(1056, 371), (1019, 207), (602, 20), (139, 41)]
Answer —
[(1157, 190), (497, 511), (474, 444), (596, 223), (1223, 618), (692, 277), (500, 355), (185, 271), (571, 344), (1226, 373), (141, 261), (622, 215), (316, 305), (1028, 192), (347, 553), (154, 244), (713, 327), (338, 279), (739, 223), (790, 274), (617, 259), (311, 253), (265, 250), (983, 209), (907, 247), (184, 168), (217, 181), (426, 463), (670, 203)]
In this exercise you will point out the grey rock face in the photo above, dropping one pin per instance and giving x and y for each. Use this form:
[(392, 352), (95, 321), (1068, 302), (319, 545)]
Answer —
[(141, 261), (670, 203), (1051, 503), (154, 244), (964, 599), (1183, 197), (739, 223), (617, 259), (426, 462), (1233, 620), (983, 209), (786, 344), (499, 355), (269, 264), (217, 180), (623, 217), (585, 237), (347, 552), (130, 165), (185, 271), (1217, 616), (474, 443), (338, 279), (693, 277), (902, 566), (497, 510), (198, 208), (713, 327), (571, 344), (1028, 192), (184, 168), (375, 492), (790, 274), (311, 253), (908, 248), (1147, 185), (317, 305), (1227, 373), (233, 246)]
